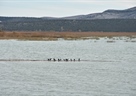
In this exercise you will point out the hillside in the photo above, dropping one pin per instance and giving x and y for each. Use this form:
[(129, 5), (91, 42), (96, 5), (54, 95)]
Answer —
[(107, 21), (103, 25), (109, 14)]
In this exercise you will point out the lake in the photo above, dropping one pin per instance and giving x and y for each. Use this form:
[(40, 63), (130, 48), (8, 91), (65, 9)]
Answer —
[(107, 67)]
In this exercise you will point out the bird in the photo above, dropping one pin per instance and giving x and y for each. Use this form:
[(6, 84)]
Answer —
[(54, 59)]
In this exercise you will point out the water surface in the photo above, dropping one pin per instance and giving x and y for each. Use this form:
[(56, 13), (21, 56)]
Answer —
[(110, 71)]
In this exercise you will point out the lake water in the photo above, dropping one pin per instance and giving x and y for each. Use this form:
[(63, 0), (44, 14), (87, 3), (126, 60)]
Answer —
[(110, 69)]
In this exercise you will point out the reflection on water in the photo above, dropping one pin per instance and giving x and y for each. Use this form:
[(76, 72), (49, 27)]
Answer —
[(110, 71)]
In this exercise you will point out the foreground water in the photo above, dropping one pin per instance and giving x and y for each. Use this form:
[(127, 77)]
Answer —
[(109, 71)]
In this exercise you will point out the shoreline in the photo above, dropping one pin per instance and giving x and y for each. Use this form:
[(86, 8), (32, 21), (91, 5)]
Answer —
[(48, 36)]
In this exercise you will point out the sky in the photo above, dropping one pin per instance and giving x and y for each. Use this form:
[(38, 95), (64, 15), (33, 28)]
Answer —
[(60, 8)]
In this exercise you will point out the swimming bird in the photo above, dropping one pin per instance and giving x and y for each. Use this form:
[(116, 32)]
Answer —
[(54, 59), (49, 59)]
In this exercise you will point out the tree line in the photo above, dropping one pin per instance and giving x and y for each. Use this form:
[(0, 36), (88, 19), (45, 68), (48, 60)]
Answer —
[(62, 25)]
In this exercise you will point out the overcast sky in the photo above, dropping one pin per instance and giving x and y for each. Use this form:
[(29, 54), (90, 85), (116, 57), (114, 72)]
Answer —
[(60, 8)]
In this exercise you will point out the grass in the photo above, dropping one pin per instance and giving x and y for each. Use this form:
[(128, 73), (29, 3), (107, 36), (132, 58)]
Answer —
[(65, 35)]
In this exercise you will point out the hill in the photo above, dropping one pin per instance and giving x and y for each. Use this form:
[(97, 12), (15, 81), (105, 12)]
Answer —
[(109, 14), (102, 25), (107, 21)]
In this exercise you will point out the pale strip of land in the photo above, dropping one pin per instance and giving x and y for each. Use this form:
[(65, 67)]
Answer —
[(65, 35)]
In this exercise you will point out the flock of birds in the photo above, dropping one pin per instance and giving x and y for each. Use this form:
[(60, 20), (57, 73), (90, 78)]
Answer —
[(53, 59)]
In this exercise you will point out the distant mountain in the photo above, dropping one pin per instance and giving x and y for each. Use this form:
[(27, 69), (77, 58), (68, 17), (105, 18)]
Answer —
[(109, 14), (49, 18), (107, 21)]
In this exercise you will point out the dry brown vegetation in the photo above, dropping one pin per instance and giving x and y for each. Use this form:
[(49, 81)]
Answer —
[(65, 35)]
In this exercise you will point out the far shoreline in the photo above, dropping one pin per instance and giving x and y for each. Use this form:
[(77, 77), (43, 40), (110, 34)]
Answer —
[(47, 36)]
